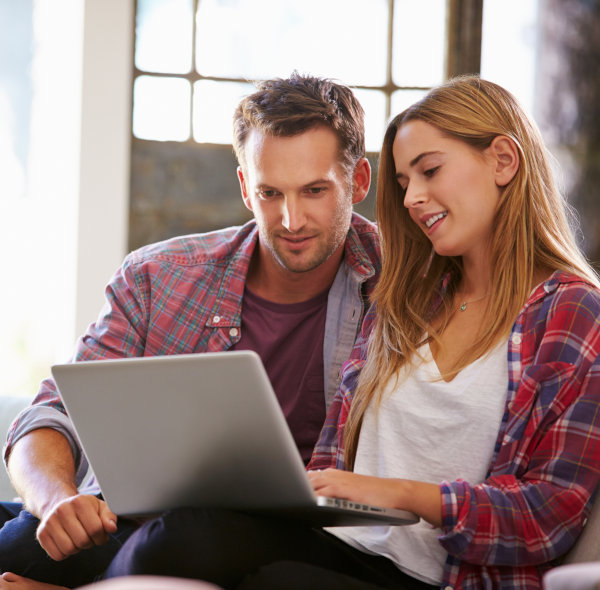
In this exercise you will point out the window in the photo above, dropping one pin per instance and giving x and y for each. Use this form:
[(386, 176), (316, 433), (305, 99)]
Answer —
[(193, 59)]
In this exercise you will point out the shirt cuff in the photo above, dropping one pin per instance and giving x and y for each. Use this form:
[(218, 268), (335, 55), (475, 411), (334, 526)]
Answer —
[(35, 417)]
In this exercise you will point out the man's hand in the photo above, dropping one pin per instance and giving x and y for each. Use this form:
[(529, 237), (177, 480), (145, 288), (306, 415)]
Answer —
[(42, 470), (76, 523)]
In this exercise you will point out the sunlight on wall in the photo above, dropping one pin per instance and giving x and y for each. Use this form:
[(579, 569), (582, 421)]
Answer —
[(509, 47), (38, 203)]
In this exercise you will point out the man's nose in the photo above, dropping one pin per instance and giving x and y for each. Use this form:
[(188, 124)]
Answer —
[(293, 216)]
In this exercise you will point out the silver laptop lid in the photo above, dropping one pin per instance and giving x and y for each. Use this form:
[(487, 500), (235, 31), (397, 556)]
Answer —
[(223, 441)]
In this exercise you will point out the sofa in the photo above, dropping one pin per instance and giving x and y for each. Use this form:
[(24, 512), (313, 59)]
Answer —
[(10, 406)]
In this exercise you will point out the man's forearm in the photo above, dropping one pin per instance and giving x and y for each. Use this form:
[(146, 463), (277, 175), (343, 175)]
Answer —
[(42, 470)]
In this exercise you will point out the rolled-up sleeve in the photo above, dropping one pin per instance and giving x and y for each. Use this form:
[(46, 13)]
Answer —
[(534, 504)]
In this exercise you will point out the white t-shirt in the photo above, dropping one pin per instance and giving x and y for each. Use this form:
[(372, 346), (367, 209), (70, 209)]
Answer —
[(429, 430)]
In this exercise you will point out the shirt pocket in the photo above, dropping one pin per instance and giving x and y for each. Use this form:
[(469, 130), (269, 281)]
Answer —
[(543, 394)]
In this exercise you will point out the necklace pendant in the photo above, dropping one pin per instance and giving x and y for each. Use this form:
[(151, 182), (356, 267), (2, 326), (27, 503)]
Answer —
[(463, 306)]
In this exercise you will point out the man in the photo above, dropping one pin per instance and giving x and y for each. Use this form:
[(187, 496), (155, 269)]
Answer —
[(292, 285)]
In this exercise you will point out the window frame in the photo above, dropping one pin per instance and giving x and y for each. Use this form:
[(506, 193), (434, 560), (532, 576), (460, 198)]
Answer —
[(463, 54)]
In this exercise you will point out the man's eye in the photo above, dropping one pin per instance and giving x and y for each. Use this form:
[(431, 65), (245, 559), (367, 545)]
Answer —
[(267, 193), (431, 171), (315, 190)]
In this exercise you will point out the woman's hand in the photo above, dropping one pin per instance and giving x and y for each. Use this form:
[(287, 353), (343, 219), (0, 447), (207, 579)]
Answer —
[(421, 498), (358, 488)]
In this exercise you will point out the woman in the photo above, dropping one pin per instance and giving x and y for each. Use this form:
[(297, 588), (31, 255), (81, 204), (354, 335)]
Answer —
[(473, 395), (481, 365)]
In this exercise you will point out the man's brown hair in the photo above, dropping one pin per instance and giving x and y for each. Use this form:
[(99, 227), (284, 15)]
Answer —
[(287, 107)]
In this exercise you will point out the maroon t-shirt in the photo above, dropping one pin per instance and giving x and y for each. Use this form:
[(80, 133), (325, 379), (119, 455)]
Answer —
[(289, 339)]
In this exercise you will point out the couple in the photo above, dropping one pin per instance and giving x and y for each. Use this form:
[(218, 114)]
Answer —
[(472, 392)]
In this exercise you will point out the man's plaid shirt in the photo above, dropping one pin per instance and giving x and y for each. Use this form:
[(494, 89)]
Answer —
[(185, 296)]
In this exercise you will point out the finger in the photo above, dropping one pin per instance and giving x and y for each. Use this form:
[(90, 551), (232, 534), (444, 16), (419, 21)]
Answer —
[(89, 514), (108, 517), (67, 537), (69, 527), (80, 520), (49, 545)]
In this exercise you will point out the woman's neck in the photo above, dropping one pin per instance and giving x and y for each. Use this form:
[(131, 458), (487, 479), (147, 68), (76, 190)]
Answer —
[(475, 281)]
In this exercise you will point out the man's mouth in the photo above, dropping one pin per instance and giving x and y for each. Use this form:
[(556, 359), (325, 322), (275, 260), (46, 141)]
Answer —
[(295, 239), (434, 218)]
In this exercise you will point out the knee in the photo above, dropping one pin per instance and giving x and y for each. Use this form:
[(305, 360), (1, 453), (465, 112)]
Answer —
[(168, 544), (18, 543), (146, 551)]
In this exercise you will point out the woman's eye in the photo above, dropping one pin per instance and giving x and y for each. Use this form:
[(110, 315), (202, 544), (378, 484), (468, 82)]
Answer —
[(431, 171)]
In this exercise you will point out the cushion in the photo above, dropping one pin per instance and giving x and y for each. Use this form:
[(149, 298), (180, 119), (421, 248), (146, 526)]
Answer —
[(10, 406), (587, 547)]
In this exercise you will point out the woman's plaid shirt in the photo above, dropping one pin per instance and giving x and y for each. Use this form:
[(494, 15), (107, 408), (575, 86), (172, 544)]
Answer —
[(507, 531)]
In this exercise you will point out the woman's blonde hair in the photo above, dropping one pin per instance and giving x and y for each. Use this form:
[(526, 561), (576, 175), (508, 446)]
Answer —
[(531, 232)]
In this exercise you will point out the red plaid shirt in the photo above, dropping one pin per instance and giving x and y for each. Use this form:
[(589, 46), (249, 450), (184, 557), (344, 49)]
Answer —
[(507, 531), (185, 296)]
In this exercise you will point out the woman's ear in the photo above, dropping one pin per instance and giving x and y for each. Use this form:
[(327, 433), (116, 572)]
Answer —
[(504, 150)]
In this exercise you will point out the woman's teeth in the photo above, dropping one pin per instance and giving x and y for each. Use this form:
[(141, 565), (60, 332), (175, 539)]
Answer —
[(435, 218)]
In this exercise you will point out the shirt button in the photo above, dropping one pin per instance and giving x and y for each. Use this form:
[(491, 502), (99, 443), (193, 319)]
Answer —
[(516, 339), (547, 287), (216, 319), (233, 332)]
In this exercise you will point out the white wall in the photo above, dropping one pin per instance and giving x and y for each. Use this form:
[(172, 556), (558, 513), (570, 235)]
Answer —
[(63, 211), (105, 151)]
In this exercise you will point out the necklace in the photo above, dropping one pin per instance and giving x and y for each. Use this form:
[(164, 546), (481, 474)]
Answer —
[(463, 305)]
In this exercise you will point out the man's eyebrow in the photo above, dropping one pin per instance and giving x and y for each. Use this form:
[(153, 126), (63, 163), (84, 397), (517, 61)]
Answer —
[(318, 181), (264, 187)]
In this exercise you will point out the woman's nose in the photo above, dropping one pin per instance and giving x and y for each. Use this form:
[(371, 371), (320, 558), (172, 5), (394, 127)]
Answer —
[(415, 194)]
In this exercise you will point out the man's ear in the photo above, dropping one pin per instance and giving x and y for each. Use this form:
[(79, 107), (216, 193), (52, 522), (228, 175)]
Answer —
[(506, 154), (245, 198), (361, 180)]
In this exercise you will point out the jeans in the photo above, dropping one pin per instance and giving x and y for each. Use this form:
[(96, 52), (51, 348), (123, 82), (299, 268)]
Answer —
[(21, 553), (241, 551)]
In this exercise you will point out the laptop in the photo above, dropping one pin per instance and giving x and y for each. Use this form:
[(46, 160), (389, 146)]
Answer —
[(196, 430)]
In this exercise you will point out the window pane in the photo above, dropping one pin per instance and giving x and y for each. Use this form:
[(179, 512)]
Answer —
[(402, 99), (419, 42), (373, 102), (252, 39), (161, 108), (164, 36), (214, 104)]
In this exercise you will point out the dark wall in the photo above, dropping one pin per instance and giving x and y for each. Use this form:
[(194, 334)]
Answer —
[(569, 99), (181, 188)]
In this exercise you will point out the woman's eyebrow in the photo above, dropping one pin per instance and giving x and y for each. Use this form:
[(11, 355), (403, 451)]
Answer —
[(415, 161)]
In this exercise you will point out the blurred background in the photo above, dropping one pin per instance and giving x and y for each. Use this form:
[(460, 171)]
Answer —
[(115, 122)]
